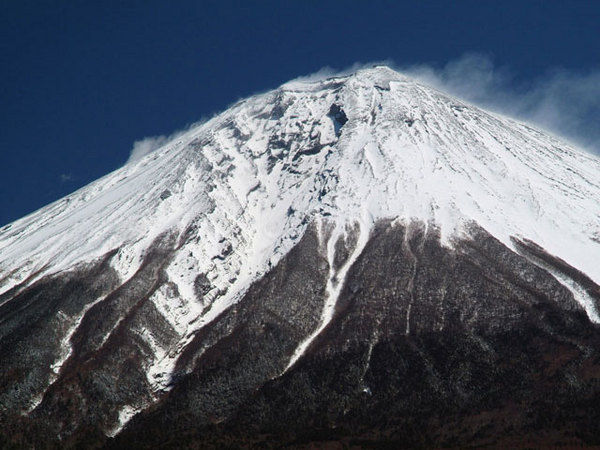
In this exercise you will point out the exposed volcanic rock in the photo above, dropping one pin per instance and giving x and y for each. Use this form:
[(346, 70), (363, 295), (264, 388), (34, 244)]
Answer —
[(360, 259), (33, 323), (429, 346)]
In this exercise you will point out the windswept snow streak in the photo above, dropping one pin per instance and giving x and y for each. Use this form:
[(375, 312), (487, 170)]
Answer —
[(125, 415), (580, 294), (335, 283), (66, 350)]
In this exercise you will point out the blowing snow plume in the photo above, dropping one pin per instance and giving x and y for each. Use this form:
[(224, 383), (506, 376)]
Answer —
[(564, 102), (147, 145)]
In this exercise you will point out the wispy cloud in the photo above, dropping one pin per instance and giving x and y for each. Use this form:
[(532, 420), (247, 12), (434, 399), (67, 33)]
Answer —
[(564, 102), (329, 72), (149, 144), (145, 146)]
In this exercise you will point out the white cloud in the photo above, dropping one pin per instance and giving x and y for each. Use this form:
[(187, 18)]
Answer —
[(566, 103), (329, 72), (145, 146)]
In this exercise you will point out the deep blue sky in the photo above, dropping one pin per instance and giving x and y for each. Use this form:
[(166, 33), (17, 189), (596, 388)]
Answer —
[(81, 81)]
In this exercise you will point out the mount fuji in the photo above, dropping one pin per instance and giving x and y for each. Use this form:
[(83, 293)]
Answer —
[(361, 260)]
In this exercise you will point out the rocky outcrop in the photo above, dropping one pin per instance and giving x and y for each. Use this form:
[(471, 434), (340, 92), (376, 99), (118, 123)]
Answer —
[(429, 346)]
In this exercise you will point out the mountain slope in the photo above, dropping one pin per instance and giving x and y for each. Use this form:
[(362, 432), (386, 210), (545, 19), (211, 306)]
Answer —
[(230, 261)]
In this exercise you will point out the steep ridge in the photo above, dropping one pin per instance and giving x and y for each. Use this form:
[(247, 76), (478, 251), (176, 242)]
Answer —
[(158, 272)]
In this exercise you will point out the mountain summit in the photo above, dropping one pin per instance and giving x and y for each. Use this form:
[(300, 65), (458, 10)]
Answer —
[(360, 259)]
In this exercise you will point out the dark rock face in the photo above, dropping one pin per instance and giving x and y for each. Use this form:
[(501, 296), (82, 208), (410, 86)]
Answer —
[(32, 323), (428, 346), (105, 368), (250, 343), (337, 114)]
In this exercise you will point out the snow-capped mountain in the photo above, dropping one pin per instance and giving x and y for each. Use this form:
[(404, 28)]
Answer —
[(302, 229)]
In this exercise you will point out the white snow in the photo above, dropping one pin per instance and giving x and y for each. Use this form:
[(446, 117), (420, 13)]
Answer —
[(239, 190), (335, 281), (65, 346), (579, 293), (125, 415), (71, 324)]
